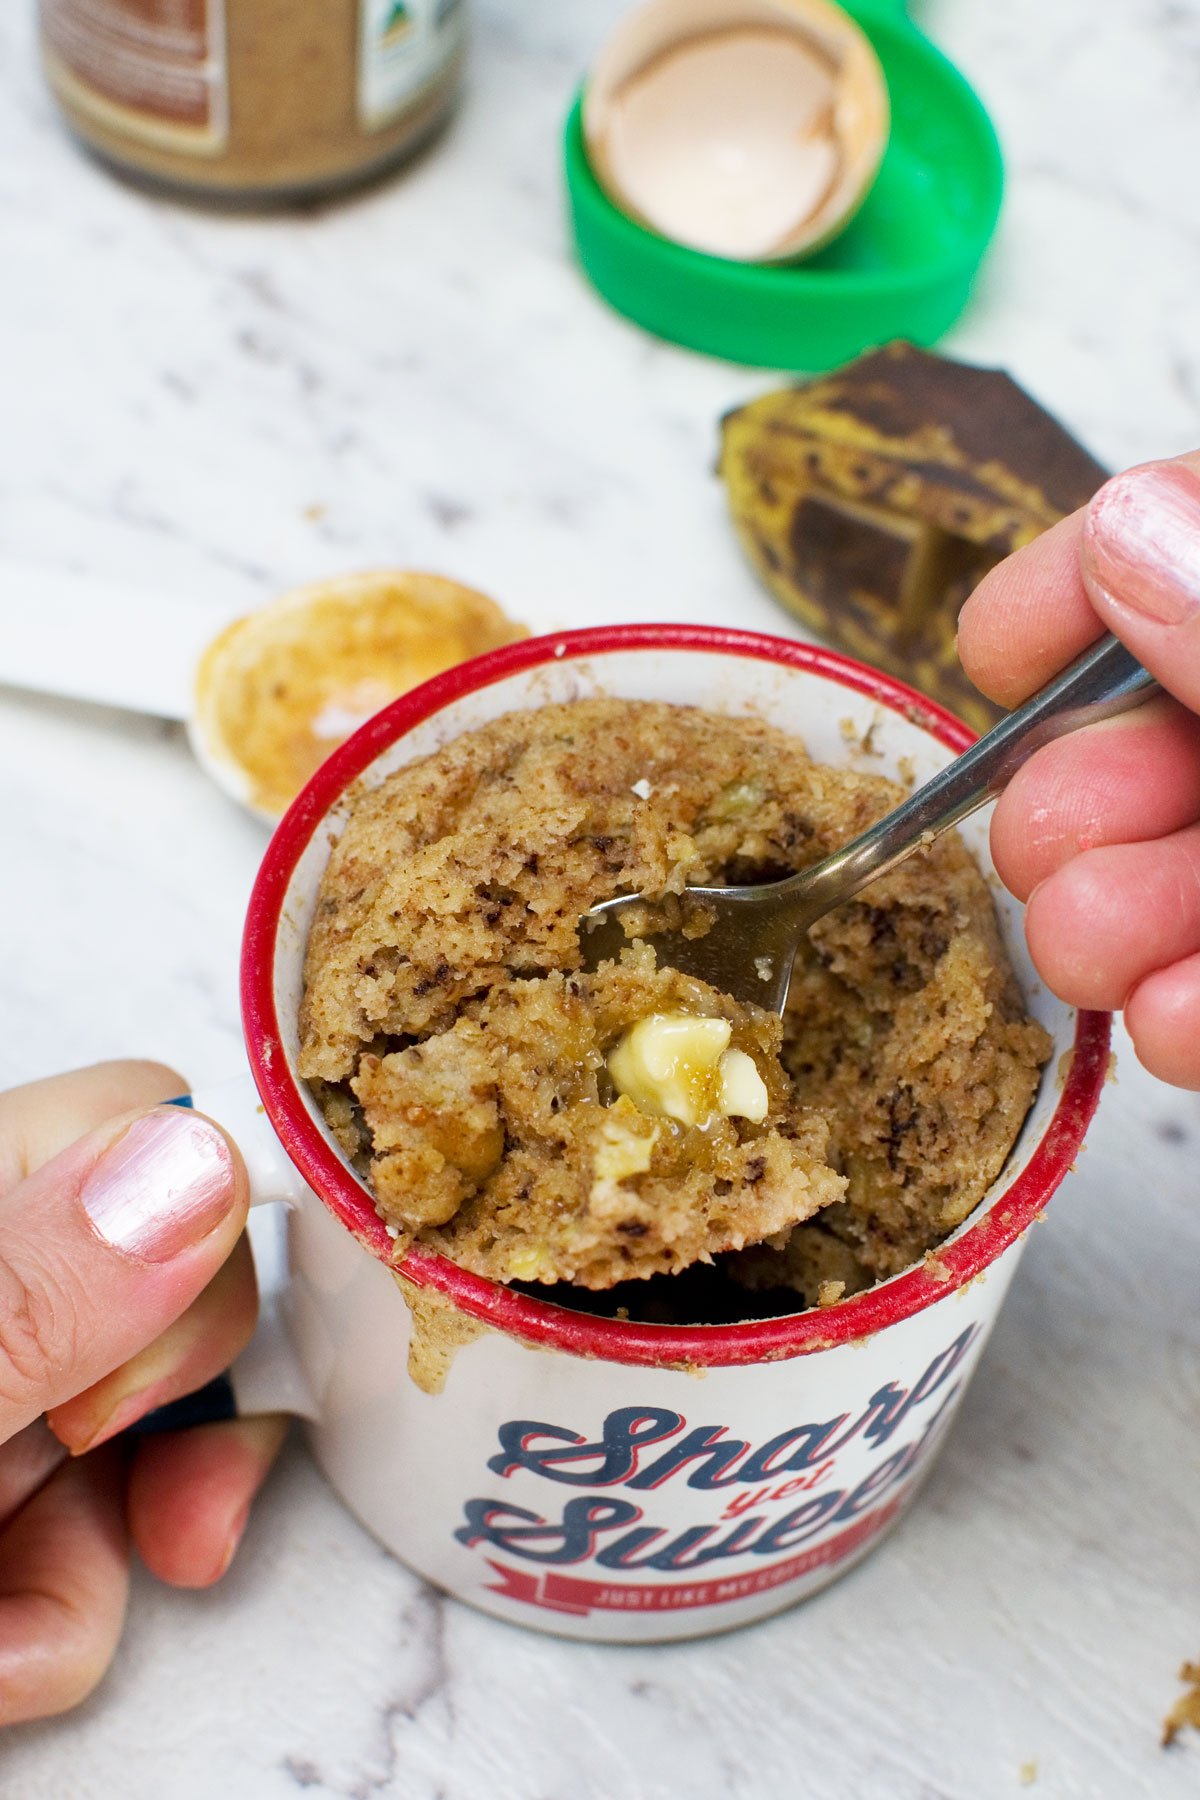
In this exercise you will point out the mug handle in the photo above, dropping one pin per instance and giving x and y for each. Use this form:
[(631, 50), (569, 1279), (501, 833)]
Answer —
[(267, 1376)]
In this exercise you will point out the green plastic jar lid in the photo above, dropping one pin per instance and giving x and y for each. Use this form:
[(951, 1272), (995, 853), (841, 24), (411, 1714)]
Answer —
[(902, 269)]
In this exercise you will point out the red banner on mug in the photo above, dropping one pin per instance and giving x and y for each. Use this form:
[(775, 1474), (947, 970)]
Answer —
[(566, 1593)]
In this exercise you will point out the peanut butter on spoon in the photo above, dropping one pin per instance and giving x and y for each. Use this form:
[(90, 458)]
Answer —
[(278, 690)]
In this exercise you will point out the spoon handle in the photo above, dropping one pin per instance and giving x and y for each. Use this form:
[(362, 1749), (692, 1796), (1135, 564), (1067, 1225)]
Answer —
[(104, 642), (1104, 681)]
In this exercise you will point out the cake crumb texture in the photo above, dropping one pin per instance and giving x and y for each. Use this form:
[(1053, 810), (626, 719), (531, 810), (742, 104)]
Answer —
[(458, 1048)]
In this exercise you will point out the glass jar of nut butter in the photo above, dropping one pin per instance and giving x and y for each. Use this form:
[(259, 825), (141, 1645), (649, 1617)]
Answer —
[(253, 100)]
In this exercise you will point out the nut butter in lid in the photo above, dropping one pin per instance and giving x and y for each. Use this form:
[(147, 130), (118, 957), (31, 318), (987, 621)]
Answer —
[(748, 129), (278, 690)]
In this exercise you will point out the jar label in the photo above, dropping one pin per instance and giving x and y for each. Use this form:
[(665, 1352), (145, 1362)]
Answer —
[(153, 69), (402, 44)]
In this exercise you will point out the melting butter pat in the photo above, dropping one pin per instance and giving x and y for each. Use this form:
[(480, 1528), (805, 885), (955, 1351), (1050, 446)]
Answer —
[(743, 1092), (676, 1066), (623, 1151)]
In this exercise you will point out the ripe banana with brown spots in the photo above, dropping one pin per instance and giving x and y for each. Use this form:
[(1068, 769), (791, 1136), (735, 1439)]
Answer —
[(873, 499)]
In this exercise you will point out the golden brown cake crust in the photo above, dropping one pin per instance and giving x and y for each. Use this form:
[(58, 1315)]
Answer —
[(458, 1050)]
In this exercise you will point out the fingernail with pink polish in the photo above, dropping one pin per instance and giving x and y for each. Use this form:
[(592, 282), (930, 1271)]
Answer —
[(1141, 542), (162, 1187)]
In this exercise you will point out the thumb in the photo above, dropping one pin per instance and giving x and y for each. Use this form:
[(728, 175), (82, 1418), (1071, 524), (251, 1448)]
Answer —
[(106, 1244), (1140, 561)]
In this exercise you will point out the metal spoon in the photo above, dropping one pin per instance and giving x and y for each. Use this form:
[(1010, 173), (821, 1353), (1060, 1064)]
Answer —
[(754, 932)]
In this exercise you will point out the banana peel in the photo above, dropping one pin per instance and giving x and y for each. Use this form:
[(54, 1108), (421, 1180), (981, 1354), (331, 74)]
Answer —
[(873, 500)]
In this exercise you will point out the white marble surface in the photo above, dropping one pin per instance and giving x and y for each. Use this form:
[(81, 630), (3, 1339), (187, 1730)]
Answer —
[(220, 407)]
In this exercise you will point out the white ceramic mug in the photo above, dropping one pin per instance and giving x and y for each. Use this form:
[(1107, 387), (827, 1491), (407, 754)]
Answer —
[(598, 1477)]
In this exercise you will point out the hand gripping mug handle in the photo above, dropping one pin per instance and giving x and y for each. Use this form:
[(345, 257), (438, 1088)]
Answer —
[(266, 1377)]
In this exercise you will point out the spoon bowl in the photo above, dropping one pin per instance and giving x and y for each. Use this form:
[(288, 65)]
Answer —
[(743, 940)]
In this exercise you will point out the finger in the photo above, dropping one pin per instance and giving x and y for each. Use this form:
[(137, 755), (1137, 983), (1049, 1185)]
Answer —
[(1126, 779), (202, 1342), (64, 1573), (1029, 616), (25, 1462), (1140, 561), (106, 1244), (43, 1117), (1110, 917), (1162, 1015), (190, 1493)]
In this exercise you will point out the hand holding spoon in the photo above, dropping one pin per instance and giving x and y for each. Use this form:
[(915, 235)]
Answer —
[(753, 933)]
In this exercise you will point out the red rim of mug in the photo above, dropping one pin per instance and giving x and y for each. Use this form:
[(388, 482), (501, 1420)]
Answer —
[(538, 1321)]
